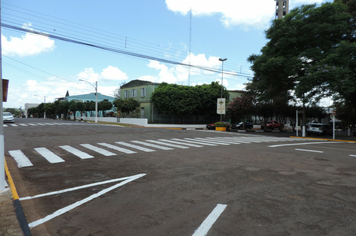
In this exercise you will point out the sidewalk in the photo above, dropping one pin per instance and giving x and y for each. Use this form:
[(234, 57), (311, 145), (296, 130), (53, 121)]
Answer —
[(9, 225)]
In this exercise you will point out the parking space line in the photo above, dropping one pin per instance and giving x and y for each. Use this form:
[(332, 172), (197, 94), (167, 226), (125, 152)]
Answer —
[(167, 144), (305, 150), (73, 189), (124, 150), (74, 151), (210, 220), (20, 158), (136, 147), (294, 144), (153, 145), (83, 201), (180, 143), (48, 155), (98, 150)]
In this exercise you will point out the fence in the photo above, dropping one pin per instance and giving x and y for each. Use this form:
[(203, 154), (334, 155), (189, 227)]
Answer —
[(174, 119)]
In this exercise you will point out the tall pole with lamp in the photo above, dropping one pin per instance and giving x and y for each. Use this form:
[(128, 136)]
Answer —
[(222, 78), (96, 98), (2, 144), (44, 103)]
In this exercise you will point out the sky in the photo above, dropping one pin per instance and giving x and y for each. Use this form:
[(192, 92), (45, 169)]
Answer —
[(128, 40)]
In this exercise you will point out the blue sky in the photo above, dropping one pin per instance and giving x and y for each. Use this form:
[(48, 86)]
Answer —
[(39, 66)]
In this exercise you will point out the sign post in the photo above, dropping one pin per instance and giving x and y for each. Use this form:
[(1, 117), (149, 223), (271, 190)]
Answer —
[(220, 108), (334, 113)]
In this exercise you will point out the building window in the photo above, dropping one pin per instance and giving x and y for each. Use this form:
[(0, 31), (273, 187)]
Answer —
[(126, 93), (143, 92), (133, 93)]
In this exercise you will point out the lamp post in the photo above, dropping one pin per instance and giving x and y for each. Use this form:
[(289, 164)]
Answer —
[(222, 78), (96, 98), (44, 103)]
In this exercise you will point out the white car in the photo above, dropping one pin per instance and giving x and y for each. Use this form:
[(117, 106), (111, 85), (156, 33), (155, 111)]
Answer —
[(8, 117)]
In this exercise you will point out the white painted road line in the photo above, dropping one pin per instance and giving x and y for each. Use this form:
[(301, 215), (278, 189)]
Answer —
[(73, 189), (293, 144), (20, 158), (4, 125), (49, 123), (153, 145), (180, 143), (124, 150), (352, 155), (48, 155), (13, 125), (304, 150), (167, 144), (210, 220), (32, 124), (40, 124), (78, 153), (98, 150), (136, 147), (23, 124), (212, 141), (81, 202), (196, 142)]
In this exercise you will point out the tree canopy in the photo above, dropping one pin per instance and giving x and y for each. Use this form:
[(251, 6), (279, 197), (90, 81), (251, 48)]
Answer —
[(311, 54), (174, 99)]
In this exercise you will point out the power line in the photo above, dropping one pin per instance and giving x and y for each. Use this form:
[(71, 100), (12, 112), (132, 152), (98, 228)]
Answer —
[(128, 53)]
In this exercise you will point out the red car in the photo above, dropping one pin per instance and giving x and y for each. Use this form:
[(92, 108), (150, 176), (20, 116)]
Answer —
[(272, 125), (212, 126)]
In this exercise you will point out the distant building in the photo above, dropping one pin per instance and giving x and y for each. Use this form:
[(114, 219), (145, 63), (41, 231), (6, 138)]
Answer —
[(282, 8), (29, 105), (142, 90)]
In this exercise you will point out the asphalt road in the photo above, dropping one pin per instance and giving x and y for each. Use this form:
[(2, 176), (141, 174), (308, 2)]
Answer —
[(252, 184)]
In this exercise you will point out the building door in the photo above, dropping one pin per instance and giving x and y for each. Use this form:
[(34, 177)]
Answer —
[(142, 112)]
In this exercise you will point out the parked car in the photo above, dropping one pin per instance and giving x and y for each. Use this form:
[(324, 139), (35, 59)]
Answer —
[(8, 117), (239, 125), (212, 125), (272, 125), (318, 129)]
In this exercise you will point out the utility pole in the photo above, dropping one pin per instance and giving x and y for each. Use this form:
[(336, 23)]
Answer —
[(2, 145)]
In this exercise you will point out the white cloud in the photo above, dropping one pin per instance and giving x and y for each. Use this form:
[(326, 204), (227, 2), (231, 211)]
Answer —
[(27, 45), (89, 75), (225, 83), (244, 14), (113, 73)]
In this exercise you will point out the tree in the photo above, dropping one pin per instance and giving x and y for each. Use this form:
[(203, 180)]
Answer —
[(64, 107), (242, 106), (104, 106), (126, 105), (174, 99), (73, 107), (301, 55), (81, 107)]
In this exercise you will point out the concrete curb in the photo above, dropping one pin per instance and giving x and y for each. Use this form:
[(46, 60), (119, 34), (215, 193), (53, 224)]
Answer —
[(325, 139), (18, 208)]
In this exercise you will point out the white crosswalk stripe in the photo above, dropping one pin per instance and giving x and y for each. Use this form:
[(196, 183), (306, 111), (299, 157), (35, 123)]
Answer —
[(136, 147), (124, 150), (190, 141), (32, 124), (153, 145), (98, 150), (48, 155), (23, 124), (149, 146), (4, 125), (180, 143), (20, 158), (13, 125), (167, 144), (78, 153)]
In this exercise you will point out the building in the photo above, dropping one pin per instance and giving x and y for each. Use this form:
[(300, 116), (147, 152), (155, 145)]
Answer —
[(29, 105), (282, 8), (141, 91)]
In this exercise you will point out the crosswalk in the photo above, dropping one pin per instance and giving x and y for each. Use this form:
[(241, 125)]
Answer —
[(52, 155), (42, 124)]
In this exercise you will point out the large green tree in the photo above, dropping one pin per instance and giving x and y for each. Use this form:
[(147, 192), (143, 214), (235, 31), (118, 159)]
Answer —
[(174, 99), (306, 55), (126, 105)]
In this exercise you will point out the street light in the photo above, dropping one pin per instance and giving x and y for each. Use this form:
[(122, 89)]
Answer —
[(222, 78), (44, 103), (96, 98)]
